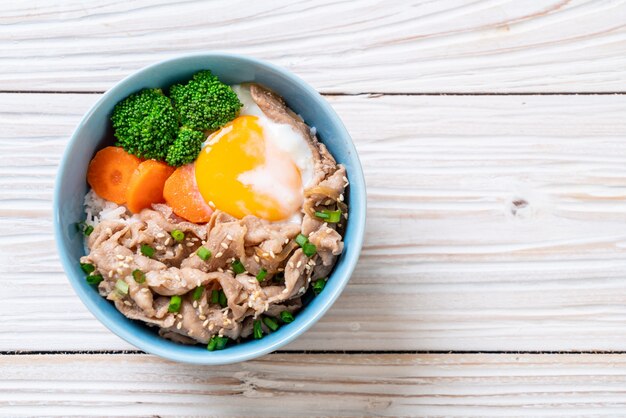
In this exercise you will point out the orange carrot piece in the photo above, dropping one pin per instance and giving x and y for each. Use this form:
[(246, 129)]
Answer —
[(182, 195), (146, 185), (110, 171)]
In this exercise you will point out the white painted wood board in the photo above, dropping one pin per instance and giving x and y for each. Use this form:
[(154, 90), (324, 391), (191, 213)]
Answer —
[(446, 264), (337, 46), (281, 385)]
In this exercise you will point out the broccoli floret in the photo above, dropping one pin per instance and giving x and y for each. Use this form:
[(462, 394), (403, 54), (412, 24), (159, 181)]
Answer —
[(205, 103), (145, 124), (185, 148)]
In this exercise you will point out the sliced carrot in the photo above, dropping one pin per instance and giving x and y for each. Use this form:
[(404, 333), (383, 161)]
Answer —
[(110, 171), (182, 195), (146, 185)]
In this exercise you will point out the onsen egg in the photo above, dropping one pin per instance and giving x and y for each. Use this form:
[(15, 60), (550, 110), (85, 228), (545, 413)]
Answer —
[(254, 166)]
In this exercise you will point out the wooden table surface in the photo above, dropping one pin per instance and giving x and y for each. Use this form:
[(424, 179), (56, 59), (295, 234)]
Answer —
[(492, 280)]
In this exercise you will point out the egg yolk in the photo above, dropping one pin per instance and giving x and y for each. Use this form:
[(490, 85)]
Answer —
[(242, 172)]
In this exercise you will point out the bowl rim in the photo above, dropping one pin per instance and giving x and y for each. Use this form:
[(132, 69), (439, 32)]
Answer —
[(358, 204)]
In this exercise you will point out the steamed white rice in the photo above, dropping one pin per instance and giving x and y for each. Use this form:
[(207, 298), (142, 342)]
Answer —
[(98, 209)]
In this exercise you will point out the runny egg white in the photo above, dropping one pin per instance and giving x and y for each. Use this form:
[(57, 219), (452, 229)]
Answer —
[(254, 166)]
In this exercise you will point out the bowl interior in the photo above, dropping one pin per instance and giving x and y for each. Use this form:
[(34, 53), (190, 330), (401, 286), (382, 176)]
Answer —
[(94, 133)]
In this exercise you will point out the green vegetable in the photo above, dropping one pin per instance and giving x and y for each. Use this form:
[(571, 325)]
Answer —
[(147, 250), (271, 324), (84, 228), (185, 148), (121, 287), (301, 240), (258, 331), (215, 296), (238, 267), (145, 124), (309, 249), (261, 275), (197, 294), (175, 302), (203, 253), (286, 317), (222, 299), (178, 235), (87, 268), (318, 286), (204, 103), (139, 276), (94, 279), (330, 216), (217, 343)]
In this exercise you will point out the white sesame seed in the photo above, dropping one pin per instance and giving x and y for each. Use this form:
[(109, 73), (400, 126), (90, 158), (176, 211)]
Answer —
[(205, 323), (290, 264), (195, 303), (129, 258), (160, 248), (125, 265), (179, 325), (252, 281), (345, 179), (221, 332), (179, 316), (120, 271), (286, 240), (329, 230), (302, 290), (341, 197), (119, 256), (272, 254), (160, 235), (328, 202), (221, 270), (265, 255), (299, 264), (169, 254), (249, 304), (211, 204), (203, 242), (280, 269), (224, 245), (345, 215), (127, 303), (257, 259), (110, 273), (180, 246), (194, 239), (211, 326), (285, 290), (109, 231), (167, 241), (229, 237), (218, 255), (307, 267), (190, 244), (339, 225), (229, 271), (198, 283), (230, 260), (202, 317), (190, 332)]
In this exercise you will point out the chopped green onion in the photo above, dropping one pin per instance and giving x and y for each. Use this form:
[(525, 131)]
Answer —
[(139, 276), (94, 279), (271, 324), (175, 302), (217, 343), (203, 253), (222, 299), (121, 287), (286, 317), (178, 235), (322, 215), (309, 249), (147, 250), (279, 277), (318, 286), (197, 294), (215, 296), (334, 216), (87, 268), (221, 343), (301, 240), (84, 228), (212, 344), (261, 275), (258, 331), (238, 267)]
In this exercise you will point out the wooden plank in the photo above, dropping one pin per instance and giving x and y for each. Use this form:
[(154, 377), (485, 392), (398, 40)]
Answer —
[(495, 223), (357, 46), (451, 385)]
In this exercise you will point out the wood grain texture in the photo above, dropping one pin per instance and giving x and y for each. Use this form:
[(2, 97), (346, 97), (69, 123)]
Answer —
[(495, 223), (478, 385), (338, 46)]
